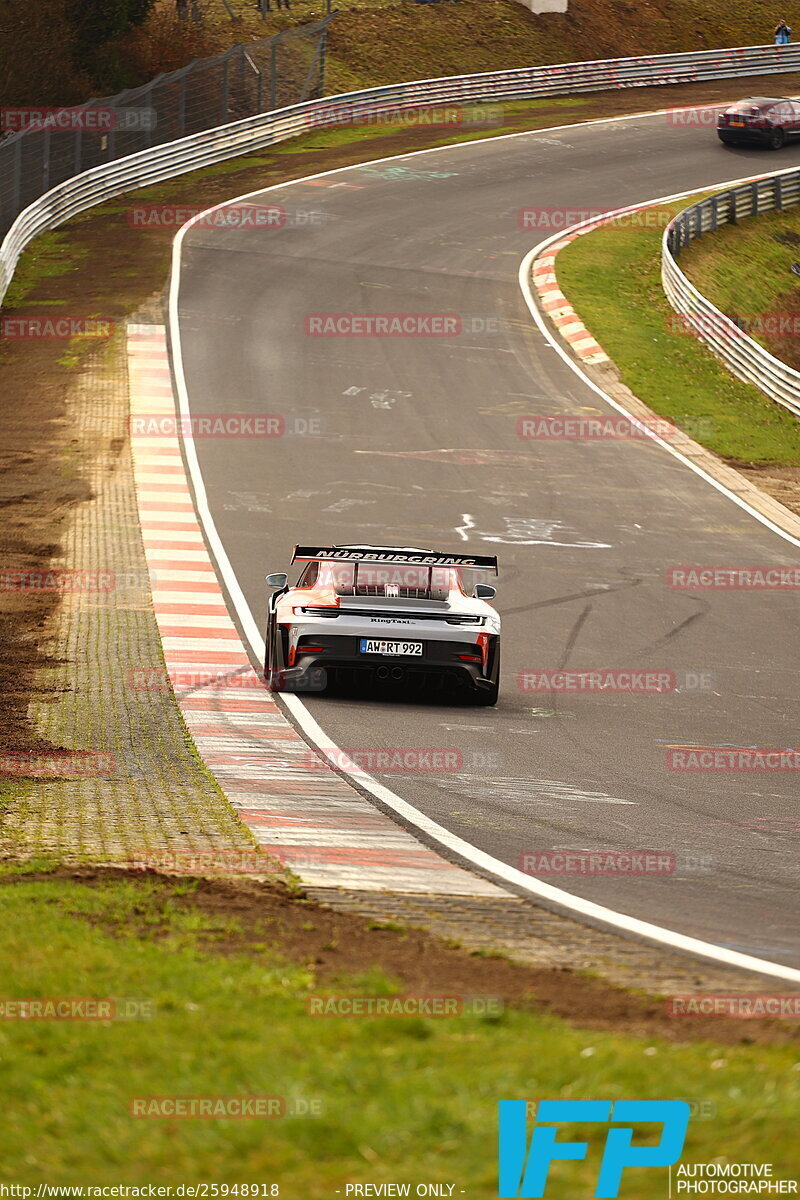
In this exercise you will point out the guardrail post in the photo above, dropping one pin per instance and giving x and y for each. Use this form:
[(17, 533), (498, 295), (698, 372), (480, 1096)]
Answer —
[(182, 106), (16, 198), (777, 193), (754, 201), (149, 125), (732, 208), (273, 61), (45, 160), (224, 120), (714, 209)]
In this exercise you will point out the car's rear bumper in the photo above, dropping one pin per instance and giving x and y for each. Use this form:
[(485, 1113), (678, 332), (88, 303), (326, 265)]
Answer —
[(755, 137), (459, 664)]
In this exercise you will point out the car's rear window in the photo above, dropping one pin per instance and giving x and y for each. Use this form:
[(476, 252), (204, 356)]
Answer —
[(375, 578), (756, 105)]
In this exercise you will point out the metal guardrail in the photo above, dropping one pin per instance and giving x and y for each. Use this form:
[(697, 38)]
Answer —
[(726, 336), (158, 163)]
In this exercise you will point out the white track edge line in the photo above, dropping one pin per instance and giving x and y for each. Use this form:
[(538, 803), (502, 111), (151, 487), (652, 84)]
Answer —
[(418, 819), (555, 342)]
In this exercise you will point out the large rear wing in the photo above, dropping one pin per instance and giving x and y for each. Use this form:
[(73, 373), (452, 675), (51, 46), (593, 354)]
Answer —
[(400, 558)]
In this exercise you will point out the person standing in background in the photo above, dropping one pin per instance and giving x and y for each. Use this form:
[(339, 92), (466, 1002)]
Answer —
[(782, 33)]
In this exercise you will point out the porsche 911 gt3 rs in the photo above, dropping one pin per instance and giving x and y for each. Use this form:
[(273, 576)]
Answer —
[(396, 615)]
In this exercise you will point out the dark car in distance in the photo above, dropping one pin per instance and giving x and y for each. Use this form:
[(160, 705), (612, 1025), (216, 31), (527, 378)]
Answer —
[(763, 120)]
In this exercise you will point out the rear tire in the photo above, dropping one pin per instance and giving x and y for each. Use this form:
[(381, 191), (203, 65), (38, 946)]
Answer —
[(272, 675), (486, 697), (777, 139)]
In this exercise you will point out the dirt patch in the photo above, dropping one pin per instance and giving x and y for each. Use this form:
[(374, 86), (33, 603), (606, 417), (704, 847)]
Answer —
[(38, 485), (337, 946), (781, 482), (111, 269)]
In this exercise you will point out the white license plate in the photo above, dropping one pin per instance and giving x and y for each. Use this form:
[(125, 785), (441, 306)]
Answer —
[(375, 646)]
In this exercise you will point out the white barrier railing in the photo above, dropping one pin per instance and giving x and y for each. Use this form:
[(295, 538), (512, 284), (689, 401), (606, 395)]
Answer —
[(254, 133), (726, 336)]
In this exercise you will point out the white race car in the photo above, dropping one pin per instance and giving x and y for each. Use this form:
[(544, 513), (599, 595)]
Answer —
[(399, 615)]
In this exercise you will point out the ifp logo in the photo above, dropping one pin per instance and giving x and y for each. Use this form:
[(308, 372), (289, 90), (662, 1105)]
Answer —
[(523, 1171)]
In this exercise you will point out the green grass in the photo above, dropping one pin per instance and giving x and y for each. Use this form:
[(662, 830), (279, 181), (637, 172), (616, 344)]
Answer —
[(612, 278), (404, 1099), (48, 256), (744, 269)]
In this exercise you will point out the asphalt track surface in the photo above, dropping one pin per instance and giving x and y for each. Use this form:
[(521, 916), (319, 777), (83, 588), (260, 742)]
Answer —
[(419, 446)]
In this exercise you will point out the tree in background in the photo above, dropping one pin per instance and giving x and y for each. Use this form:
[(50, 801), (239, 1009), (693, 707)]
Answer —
[(63, 51), (37, 43), (97, 23)]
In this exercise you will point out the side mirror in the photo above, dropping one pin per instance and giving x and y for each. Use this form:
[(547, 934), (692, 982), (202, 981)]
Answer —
[(484, 591), (278, 580)]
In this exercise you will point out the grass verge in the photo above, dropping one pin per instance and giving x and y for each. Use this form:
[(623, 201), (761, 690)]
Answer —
[(753, 260), (612, 278), (403, 1099)]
